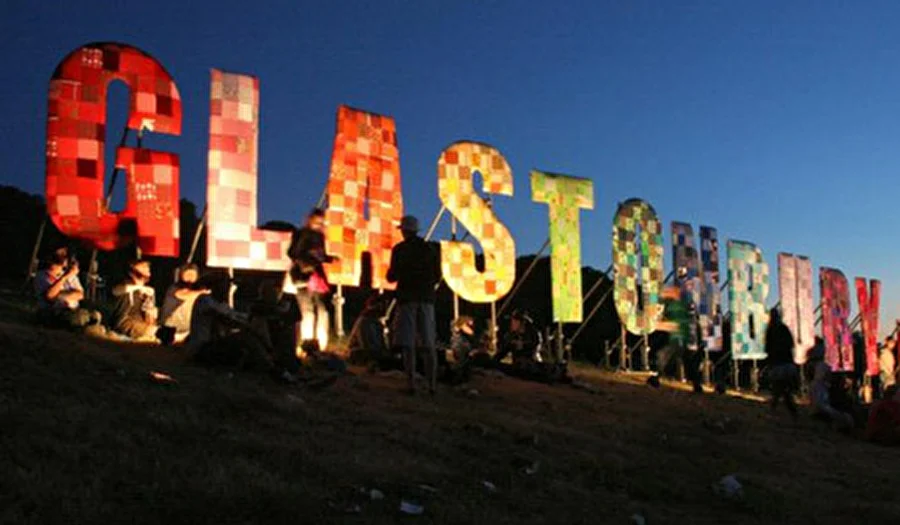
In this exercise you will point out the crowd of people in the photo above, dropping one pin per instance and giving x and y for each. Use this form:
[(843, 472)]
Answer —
[(290, 320), (840, 399)]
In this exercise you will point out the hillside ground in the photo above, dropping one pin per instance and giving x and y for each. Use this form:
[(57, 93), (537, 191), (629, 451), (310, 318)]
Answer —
[(88, 436)]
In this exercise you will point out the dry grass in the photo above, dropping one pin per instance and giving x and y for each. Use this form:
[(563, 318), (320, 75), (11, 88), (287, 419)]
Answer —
[(87, 437)]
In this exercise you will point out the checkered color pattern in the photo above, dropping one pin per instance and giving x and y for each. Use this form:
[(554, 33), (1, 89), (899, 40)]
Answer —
[(633, 249), (869, 307), (233, 240), (795, 292), (76, 138), (709, 310), (456, 168), (835, 295), (365, 169), (748, 288), (687, 269), (565, 196)]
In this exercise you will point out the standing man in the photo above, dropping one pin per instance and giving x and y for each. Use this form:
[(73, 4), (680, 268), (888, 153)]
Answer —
[(307, 252), (415, 267)]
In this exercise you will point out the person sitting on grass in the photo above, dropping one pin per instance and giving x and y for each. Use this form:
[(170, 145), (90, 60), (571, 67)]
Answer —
[(59, 293), (179, 301), (367, 335), (883, 426), (458, 360), (220, 335), (134, 307), (821, 398)]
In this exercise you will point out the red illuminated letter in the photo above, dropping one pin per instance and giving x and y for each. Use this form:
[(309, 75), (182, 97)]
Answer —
[(76, 137)]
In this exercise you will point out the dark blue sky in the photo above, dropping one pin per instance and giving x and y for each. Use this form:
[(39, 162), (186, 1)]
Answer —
[(774, 121)]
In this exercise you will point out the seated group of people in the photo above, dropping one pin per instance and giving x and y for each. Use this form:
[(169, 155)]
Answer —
[(522, 351), (194, 312)]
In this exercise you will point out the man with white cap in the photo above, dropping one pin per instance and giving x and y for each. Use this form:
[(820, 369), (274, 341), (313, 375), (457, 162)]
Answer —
[(415, 267)]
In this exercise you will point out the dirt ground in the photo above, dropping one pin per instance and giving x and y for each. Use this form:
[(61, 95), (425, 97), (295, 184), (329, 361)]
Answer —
[(88, 436)]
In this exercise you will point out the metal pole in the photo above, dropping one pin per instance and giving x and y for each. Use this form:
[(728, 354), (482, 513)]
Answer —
[(455, 296), (33, 263), (646, 353), (524, 277), (231, 287), (560, 349), (590, 315), (196, 241), (624, 363), (754, 378), (338, 301), (494, 327), (596, 285)]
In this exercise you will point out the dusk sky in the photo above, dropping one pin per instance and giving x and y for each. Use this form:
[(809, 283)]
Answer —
[(776, 122)]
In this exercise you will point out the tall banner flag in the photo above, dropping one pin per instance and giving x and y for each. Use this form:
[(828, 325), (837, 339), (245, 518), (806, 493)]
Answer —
[(795, 292), (233, 239), (748, 288), (638, 265), (835, 295), (456, 169), (365, 171), (869, 306), (565, 196), (76, 140)]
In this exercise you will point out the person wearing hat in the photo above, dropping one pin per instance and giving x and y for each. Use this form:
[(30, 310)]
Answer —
[(415, 267)]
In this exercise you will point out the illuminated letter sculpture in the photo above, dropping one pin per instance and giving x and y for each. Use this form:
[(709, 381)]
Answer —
[(699, 281), (456, 169), (233, 240), (365, 166), (835, 295), (869, 305), (565, 196), (76, 138), (631, 248), (795, 291), (748, 288)]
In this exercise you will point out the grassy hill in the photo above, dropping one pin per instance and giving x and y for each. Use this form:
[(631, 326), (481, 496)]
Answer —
[(87, 436)]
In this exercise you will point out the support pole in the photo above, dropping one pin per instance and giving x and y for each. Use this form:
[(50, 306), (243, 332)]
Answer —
[(231, 287), (524, 277), (596, 285), (455, 296), (754, 377), (560, 347), (624, 358), (338, 301), (33, 264), (646, 356), (736, 372), (196, 241), (494, 327)]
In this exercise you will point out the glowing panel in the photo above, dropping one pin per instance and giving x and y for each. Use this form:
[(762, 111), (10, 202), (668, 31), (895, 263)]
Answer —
[(233, 240), (795, 292), (565, 196), (748, 288), (456, 168), (835, 295), (76, 139), (637, 261), (869, 305), (710, 308), (687, 270), (365, 166)]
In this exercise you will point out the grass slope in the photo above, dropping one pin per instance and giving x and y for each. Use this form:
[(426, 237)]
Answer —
[(87, 437)]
